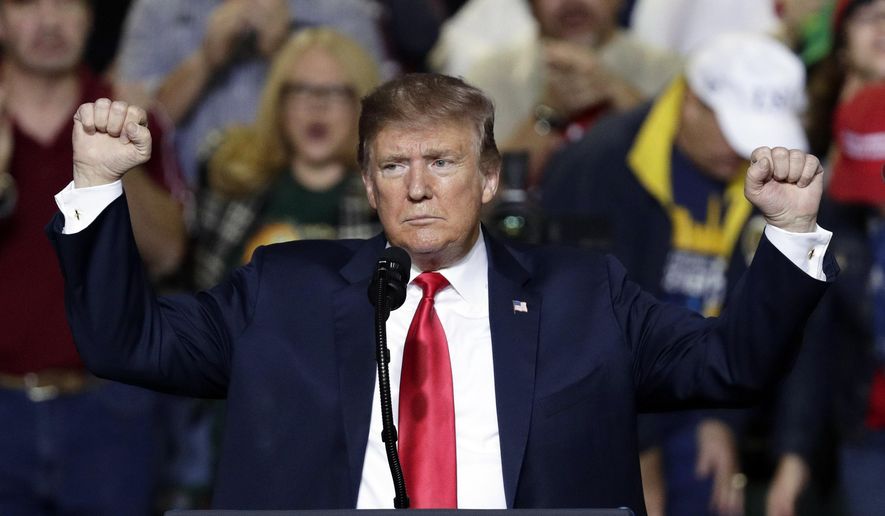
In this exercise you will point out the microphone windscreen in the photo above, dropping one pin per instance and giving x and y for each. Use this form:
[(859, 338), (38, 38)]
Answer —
[(395, 264), (399, 256)]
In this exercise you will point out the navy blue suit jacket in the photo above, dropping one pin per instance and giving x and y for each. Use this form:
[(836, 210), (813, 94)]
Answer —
[(288, 340)]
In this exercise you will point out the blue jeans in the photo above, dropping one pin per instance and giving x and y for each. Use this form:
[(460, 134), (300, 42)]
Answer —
[(91, 453), (862, 468)]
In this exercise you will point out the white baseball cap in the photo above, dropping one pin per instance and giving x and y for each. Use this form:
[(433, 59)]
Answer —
[(756, 87)]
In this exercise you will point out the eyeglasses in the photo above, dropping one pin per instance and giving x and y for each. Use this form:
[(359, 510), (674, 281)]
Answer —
[(303, 92)]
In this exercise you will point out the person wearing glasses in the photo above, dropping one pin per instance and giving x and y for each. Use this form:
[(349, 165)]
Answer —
[(292, 174)]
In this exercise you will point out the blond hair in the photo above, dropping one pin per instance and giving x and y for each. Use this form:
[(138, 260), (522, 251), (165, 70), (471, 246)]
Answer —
[(249, 157)]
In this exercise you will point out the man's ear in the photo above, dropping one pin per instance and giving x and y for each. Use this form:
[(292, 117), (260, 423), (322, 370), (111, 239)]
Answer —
[(490, 179)]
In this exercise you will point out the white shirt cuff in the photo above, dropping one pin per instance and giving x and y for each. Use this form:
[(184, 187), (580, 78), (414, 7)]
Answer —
[(806, 250), (81, 206)]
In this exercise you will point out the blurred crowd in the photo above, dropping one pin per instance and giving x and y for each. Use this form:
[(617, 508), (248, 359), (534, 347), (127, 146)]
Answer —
[(626, 126)]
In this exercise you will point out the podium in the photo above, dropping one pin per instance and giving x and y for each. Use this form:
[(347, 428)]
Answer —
[(401, 512)]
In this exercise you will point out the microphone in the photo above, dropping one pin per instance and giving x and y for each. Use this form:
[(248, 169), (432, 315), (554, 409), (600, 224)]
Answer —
[(387, 292), (391, 276)]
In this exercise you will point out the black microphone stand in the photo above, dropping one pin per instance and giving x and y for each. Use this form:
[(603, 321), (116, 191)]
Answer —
[(382, 355)]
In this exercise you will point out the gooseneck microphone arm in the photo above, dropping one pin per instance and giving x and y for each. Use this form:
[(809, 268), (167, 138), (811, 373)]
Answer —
[(387, 292)]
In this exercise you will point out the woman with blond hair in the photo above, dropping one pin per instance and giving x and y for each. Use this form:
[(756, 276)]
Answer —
[(292, 174)]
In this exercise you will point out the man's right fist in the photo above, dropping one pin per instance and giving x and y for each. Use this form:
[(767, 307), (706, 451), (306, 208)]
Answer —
[(110, 138)]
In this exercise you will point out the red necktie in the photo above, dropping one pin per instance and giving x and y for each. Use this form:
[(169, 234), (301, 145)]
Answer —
[(427, 406)]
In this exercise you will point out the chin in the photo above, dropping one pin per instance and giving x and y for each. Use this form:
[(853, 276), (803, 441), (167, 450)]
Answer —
[(423, 241), (581, 37), (309, 148), (419, 241), (428, 259), (53, 65)]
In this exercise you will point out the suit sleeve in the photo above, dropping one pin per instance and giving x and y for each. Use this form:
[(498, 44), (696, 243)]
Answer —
[(180, 344), (681, 360)]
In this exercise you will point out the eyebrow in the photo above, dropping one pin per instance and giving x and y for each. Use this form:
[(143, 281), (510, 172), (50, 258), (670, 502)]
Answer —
[(429, 153)]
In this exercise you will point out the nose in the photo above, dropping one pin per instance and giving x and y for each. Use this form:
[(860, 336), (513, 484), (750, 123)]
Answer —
[(417, 184), (318, 99), (49, 11)]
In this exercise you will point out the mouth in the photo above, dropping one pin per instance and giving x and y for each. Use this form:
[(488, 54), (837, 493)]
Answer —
[(422, 220), (574, 17), (317, 131), (49, 44)]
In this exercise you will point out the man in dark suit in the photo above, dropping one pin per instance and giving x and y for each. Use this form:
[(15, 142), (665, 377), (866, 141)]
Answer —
[(551, 351)]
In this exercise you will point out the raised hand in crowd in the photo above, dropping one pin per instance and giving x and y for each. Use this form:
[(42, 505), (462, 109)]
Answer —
[(270, 19), (237, 22), (228, 26), (577, 78), (231, 24)]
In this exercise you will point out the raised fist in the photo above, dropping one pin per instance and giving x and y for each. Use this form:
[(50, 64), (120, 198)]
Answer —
[(110, 138), (786, 186)]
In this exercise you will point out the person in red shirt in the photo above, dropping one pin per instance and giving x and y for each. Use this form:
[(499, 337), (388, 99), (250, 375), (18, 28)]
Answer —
[(849, 332), (72, 443)]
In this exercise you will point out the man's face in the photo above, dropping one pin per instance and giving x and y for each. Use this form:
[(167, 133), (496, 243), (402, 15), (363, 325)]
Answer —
[(701, 139), (428, 188), (586, 22), (45, 36)]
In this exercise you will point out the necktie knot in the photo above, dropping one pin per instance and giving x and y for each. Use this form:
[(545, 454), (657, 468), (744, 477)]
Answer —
[(431, 283)]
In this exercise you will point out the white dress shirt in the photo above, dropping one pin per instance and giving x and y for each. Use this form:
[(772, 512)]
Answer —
[(463, 310)]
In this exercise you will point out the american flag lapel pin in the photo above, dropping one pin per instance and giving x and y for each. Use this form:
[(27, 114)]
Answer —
[(520, 306)]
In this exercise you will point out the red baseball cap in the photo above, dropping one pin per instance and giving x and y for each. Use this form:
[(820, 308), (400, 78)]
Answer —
[(859, 128)]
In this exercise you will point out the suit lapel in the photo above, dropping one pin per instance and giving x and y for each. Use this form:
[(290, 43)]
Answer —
[(355, 353), (514, 349)]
